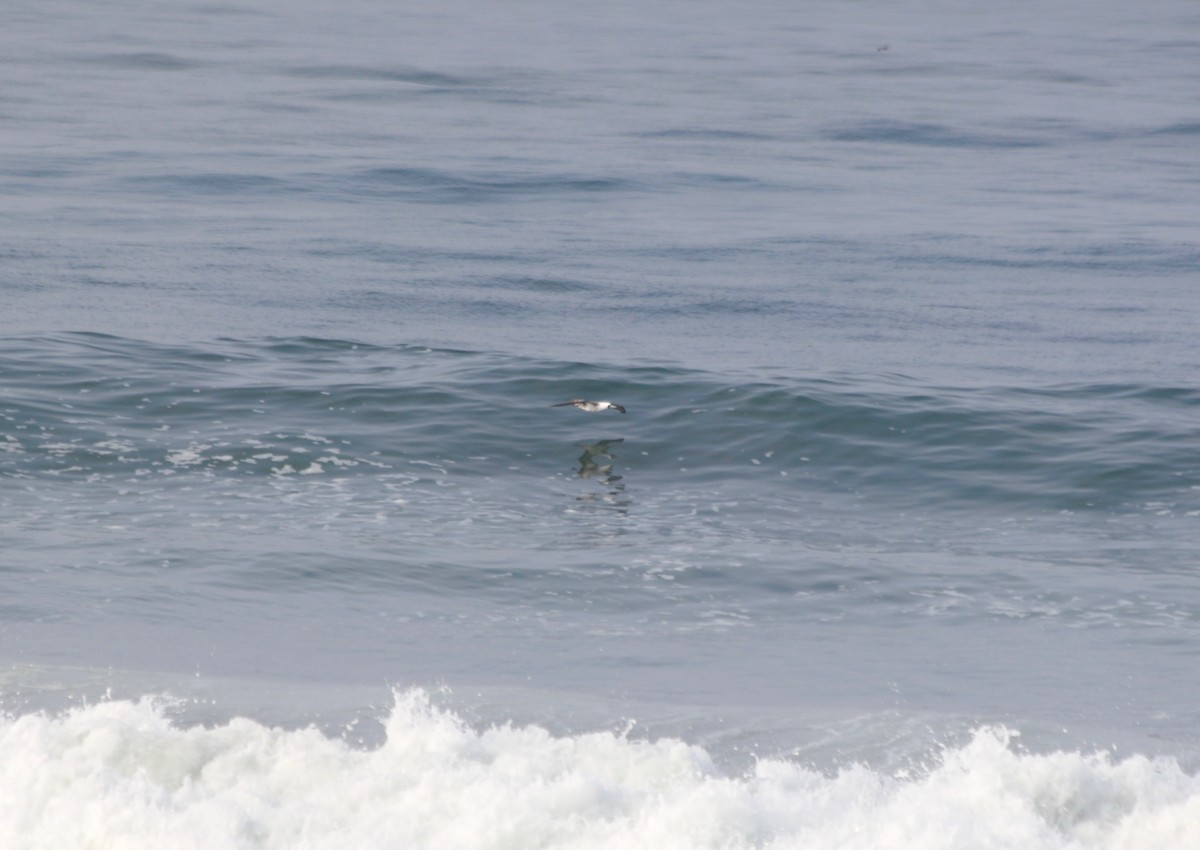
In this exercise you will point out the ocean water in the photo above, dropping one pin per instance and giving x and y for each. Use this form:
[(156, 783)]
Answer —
[(896, 546)]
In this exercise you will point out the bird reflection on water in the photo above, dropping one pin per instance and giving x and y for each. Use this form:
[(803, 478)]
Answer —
[(596, 463)]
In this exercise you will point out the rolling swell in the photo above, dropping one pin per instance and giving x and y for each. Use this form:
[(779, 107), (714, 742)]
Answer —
[(89, 405)]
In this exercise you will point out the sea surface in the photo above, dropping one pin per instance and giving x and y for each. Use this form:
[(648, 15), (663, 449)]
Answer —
[(897, 546)]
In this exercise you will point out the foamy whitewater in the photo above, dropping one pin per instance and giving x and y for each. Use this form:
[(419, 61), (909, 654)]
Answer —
[(895, 547), (119, 774)]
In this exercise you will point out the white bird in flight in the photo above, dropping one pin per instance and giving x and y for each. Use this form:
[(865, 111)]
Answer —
[(590, 406)]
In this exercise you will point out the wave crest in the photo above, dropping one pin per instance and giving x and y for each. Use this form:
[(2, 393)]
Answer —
[(121, 774)]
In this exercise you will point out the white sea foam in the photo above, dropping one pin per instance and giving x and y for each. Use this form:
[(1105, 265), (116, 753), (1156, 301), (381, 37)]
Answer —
[(120, 774), (191, 456)]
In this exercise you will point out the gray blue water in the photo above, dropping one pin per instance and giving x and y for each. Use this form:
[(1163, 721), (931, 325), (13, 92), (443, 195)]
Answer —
[(901, 301)]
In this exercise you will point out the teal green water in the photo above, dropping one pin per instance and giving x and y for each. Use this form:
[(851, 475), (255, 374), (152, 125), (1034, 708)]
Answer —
[(101, 408)]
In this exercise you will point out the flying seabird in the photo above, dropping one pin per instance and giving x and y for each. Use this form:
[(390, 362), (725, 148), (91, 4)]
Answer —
[(590, 406)]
